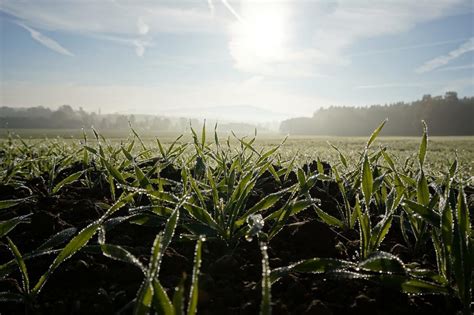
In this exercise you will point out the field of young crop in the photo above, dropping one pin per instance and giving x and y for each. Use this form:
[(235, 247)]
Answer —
[(239, 225)]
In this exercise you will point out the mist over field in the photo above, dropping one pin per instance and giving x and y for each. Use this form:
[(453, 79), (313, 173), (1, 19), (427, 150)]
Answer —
[(446, 115)]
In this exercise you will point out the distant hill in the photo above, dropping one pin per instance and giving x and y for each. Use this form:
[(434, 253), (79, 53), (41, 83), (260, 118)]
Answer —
[(445, 115), (231, 113)]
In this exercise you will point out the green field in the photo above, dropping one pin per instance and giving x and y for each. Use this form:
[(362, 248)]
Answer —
[(217, 224), (305, 148)]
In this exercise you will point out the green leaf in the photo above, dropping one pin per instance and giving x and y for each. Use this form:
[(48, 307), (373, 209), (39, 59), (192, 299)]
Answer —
[(201, 215), (301, 177), (5, 204), (328, 219), (70, 249), (365, 233), (314, 265), (461, 256), (142, 179), (341, 156), (146, 292), (162, 301), (380, 231), (170, 227), (203, 135), (383, 262), (7, 226), (117, 252), (178, 297), (423, 145), (113, 172), (418, 286), (68, 180), (422, 191), (367, 180), (389, 160), (21, 265), (262, 205), (194, 290), (58, 239), (144, 299), (424, 212), (375, 133)]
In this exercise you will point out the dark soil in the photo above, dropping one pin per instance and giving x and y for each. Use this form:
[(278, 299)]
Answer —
[(90, 283)]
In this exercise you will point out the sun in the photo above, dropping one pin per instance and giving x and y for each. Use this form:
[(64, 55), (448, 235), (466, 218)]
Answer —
[(261, 34)]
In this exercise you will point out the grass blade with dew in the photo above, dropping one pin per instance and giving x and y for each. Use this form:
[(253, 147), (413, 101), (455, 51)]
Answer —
[(78, 242), (375, 133), (194, 290), (9, 203), (265, 305), (21, 266), (68, 180), (8, 225)]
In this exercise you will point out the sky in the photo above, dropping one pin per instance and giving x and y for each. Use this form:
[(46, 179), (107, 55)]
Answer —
[(237, 60)]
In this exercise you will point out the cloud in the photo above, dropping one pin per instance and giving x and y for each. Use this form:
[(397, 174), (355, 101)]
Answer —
[(440, 61), (455, 68), (319, 33), (271, 38), (130, 21), (114, 18), (139, 48), (410, 47), (46, 41), (142, 27), (393, 85)]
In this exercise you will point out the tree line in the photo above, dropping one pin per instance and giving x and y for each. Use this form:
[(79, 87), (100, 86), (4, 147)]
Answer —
[(65, 117), (445, 115)]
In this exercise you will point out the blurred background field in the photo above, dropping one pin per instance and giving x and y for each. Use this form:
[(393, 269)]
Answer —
[(305, 148)]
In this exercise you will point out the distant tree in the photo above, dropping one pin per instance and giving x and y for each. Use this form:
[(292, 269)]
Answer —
[(446, 115)]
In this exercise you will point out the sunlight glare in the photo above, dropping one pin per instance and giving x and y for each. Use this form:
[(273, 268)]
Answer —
[(261, 35)]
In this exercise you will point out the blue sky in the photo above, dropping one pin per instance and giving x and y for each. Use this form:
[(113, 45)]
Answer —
[(286, 58)]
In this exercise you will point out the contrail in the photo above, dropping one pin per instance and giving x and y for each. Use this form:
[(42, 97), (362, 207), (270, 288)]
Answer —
[(46, 41), (231, 9), (440, 61), (433, 44)]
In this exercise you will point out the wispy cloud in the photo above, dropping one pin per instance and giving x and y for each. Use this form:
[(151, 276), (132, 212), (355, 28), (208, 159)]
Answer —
[(455, 68), (132, 21), (142, 27), (440, 61), (393, 85), (410, 47), (46, 41)]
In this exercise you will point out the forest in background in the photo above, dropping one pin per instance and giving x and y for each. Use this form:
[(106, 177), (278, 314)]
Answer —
[(65, 117), (445, 115)]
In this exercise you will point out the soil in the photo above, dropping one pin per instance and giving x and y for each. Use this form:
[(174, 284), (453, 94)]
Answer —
[(229, 283)]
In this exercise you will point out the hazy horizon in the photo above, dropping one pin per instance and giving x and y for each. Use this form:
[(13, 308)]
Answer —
[(253, 61)]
